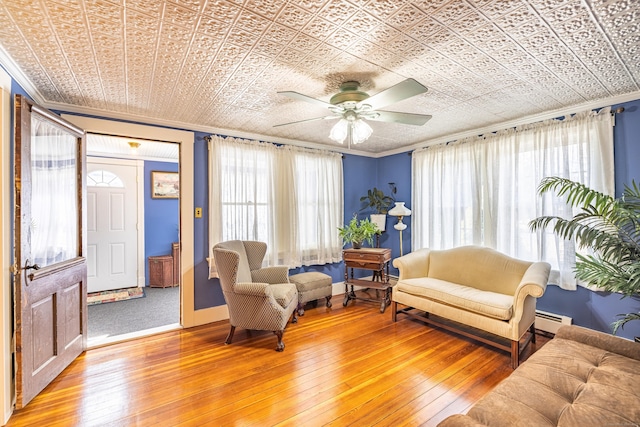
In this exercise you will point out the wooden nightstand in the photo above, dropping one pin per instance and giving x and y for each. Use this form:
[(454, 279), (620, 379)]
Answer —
[(374, 259)]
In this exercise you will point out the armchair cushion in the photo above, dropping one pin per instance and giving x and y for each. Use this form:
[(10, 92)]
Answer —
[(283, 293)]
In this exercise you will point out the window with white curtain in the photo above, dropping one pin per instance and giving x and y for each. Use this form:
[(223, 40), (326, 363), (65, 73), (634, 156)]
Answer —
[(54, 167), (289, 197), (483, 190)]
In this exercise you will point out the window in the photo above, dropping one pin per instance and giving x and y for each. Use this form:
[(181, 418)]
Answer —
[(101, 178), (289, 197), (483, 190)]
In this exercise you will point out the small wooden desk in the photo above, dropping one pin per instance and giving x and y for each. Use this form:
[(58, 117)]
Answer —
[(374, 259)]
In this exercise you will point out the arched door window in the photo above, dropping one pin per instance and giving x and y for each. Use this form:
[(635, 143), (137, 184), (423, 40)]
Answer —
[(102, 178)]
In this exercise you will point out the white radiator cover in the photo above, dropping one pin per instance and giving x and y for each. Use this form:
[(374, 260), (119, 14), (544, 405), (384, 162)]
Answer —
[(550, 322)]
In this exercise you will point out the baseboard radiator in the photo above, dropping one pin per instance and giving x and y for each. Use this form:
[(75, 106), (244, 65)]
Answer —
[(550, 322)]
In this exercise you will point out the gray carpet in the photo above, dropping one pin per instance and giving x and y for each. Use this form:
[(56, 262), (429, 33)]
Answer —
[(159, 307)]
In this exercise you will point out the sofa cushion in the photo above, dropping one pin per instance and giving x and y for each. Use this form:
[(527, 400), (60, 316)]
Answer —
[(566, 383), (492, 304), (480, 267)]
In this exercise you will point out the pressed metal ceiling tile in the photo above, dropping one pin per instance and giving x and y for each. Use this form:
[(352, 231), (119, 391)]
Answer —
[(218, 64)]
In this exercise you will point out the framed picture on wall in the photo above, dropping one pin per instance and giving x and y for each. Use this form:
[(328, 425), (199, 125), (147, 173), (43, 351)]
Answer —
[(165, 185)]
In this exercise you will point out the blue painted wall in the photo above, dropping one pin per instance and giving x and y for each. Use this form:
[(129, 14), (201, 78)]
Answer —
[(161, 216), (590, 309)]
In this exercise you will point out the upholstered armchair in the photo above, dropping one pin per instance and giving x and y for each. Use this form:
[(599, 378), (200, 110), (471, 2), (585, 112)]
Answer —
[(257, 298)]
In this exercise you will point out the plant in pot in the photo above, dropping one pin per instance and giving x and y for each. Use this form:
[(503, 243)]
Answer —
[(610, 228), (358, 231), (379, 203)]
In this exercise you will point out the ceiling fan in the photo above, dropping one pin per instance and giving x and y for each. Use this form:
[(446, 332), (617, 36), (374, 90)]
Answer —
[(351, 106)]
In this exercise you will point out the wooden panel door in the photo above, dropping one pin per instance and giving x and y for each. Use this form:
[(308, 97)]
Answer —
[(112, 224), (50, 270)]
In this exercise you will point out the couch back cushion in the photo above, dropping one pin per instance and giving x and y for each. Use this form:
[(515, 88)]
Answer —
[(478, 267)]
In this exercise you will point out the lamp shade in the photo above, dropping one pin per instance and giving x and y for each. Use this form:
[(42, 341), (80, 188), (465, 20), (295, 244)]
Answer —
[(360, 131), (400, 210), (339, 131), (356, 130)]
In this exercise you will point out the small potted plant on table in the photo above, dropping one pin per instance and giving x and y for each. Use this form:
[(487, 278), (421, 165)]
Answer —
[(358, 231)]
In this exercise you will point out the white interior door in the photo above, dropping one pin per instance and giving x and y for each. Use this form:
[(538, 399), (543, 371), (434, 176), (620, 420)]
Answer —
[(112, 219)]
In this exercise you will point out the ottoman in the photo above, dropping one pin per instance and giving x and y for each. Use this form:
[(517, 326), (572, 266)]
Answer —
[(311, 287)]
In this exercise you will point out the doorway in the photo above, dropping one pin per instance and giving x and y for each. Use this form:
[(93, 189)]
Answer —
[(126, 228)]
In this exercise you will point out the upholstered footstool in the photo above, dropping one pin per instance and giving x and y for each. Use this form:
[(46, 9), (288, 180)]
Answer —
[(311, 287)]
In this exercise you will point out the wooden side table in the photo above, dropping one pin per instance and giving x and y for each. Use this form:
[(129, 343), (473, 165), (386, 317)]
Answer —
[(374, 259)]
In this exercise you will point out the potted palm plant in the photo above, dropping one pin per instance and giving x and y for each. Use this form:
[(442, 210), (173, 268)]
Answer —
[(358, 231), (608, 226)]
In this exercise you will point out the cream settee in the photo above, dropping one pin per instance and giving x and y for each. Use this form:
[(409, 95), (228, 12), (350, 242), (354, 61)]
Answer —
[(474, 286)]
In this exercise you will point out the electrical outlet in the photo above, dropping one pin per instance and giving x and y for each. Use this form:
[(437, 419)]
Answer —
[(198, 212)]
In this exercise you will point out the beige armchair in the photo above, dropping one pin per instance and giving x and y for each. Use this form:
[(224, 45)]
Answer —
[(257, 298)]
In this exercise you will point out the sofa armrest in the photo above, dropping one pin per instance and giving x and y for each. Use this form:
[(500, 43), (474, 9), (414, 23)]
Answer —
[(601, 340), (533, 284), (534, 281), (272, 275), (414, 264), (252, 289)]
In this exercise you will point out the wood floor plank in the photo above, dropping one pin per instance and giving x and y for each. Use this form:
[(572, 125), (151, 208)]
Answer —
[(341, 366)]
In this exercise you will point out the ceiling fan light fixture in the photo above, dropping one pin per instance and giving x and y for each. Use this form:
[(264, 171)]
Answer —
[(356, 130), (360, 131), (339, 131)]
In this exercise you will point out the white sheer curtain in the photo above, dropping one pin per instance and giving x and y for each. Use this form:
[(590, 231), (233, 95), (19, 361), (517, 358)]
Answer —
[(54, 238), (483, 190), (289, 197)]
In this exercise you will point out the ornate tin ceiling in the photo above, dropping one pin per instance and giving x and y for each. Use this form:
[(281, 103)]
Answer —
[(217, 65)]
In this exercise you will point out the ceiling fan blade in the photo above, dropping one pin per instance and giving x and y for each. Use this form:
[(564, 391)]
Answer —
[(404, 118), (403, 90), (301, 97), (309, 120)]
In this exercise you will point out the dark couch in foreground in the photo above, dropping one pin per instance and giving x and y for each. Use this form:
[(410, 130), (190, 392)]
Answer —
[(579, 378)]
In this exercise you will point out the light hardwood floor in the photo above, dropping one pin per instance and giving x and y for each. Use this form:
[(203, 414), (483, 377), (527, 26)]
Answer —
[(341, 366)]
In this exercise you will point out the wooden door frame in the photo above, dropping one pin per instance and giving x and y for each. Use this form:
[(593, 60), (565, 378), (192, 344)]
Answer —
[(139, 165), (7, 389), (189, 317)]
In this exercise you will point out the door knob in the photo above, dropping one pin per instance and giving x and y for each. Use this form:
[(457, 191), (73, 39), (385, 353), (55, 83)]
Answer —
[(30, 267)]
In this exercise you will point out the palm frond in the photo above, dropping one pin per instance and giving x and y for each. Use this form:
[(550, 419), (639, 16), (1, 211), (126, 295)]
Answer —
[(577, 194), (625, 319), (610, 276)]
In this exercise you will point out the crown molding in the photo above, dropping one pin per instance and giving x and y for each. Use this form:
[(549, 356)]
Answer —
[(594, 105)]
